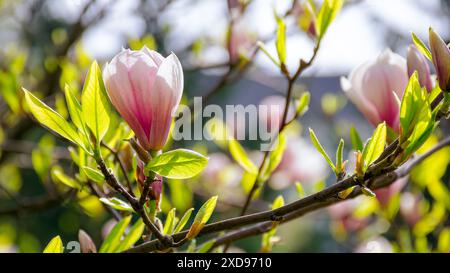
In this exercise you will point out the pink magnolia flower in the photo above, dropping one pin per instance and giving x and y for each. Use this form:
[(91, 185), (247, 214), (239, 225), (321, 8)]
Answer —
[(146, 89), (441, 59), (242, 40), (374, 86), (417, 62)]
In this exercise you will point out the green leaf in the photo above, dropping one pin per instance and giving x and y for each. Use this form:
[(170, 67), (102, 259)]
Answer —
[(278, 202), (276, 155), (424, 127), (339, 156), (357, 144), (241, 157), (412, 102), (94, 103), (202, 217), (169, 225), (206, 246), (321, 150), (299, 189), (54, 246), (178, 164), (132, 237), (281, 41), (183, 220), (303, 104), (116, 203), (326, 15), (421, 46), (94, 175), (74, 108), (375, 146), (58, 174), (112, 241), (51, 119)]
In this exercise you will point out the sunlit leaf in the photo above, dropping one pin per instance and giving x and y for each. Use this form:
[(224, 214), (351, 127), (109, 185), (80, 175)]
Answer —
[(375, 146), (94, 103), (169, 225), (132, 236), (241, 157), (357, 144), (112, 241), (51, 119), (54, 246), (281, 40), (58, 174), (178, 164), (116, 203), (202, 217), (183, 220), (421, 46), (94, 175), (321, 150)]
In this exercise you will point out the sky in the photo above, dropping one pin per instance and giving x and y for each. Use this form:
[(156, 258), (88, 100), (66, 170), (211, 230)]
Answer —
[(357, 35)]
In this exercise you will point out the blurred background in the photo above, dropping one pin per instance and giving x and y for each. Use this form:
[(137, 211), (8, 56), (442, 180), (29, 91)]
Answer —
[(48, 43)]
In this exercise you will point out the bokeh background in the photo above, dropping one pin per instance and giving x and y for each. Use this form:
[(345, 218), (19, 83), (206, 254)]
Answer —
[(48, 43)]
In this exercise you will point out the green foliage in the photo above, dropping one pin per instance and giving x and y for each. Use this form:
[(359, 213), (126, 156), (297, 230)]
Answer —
[(51, 119), (54, 246), (58, 175), (241, 157), (268, 237), (202, 217), (281, 40), (421, 46), (170, 223), (94, 175), (116, 203), (112, 241), (355, 139), (177, 164), (95, 105), (275, 156), (132, 236), (375, 146), (303, 104), (184, 220), (326, 15), (417, 121), (206, 246), (321, 150), (339, 157)]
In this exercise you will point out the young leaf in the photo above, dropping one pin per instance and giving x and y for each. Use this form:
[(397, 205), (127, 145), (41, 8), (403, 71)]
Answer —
[(303, 103), (357, 144), (169, 225), (300, 190), (177, 164), (375, 146), (412, 103), (276, 155), (206, 246), (423, 129), (183, 220), (58, 175), (421, 46), (54, 246), (112, 241), (241, 157), (327, 13), (116, 203), (132, 237), (94, 175), (202, 217), (321, 150), (339, 157), (74, 108), (94, 103), (51, 119), (281, 41)]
